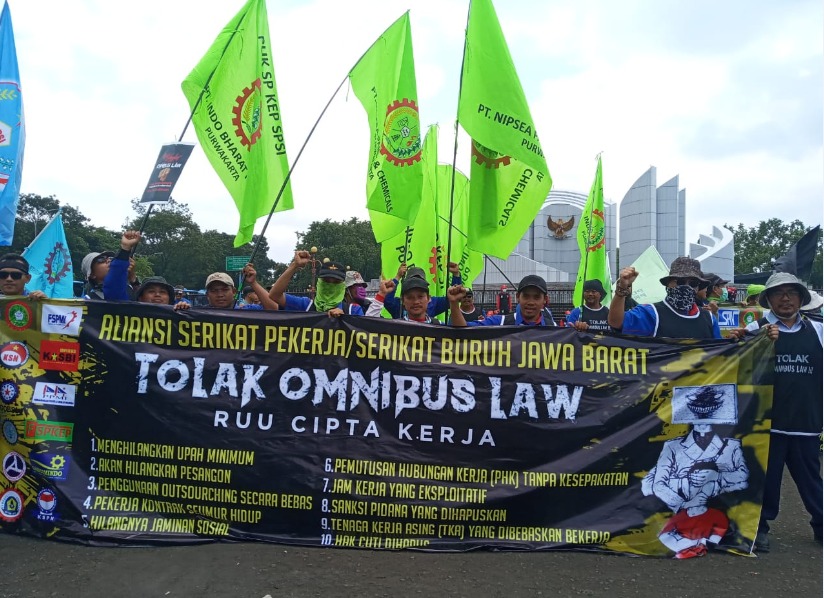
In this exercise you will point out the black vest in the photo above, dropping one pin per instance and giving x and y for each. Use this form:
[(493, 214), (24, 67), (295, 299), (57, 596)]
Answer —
[(596, 319), (673, 325), (797, 386)]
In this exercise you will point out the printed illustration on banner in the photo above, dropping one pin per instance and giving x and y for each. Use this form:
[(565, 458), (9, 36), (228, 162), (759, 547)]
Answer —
[(19, 315), (14, 466), (695, 468), (10, 432), (53, 466), (60, 319), (14, 354), (61, 395), (59, 355), (47, 503), (9, 391), (38, 430), (11, 505)]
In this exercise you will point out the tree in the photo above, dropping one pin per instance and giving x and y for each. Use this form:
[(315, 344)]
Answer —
[(350, 243), (34, 212), (757, 246), (179, 251)]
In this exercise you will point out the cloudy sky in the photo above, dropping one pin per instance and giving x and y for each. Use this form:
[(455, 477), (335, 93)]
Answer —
[(727, 94)]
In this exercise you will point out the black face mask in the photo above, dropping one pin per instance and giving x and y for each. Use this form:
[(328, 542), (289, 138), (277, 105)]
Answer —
[(680, 298)]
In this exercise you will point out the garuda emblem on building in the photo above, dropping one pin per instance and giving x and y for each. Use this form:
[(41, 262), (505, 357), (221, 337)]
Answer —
[(559, 227)]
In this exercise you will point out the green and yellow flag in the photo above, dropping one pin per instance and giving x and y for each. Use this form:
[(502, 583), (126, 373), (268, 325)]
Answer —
[(236, 114), (384, 82), (424, 243), (592, 242), (510, 178)]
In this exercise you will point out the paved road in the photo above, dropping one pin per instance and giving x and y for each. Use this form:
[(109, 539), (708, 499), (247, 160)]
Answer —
[(41, 568)]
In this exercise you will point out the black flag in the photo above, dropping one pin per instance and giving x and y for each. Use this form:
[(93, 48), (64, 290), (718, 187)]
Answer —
[(799, 258)]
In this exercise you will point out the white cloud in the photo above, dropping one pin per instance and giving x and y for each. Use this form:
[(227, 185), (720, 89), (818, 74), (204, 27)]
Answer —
[(723, 95)]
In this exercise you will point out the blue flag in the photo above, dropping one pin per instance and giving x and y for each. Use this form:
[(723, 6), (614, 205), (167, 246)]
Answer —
[(50, 263), (12, 132)]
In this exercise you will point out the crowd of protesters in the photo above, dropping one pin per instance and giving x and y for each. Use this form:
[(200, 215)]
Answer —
[(783, 308)]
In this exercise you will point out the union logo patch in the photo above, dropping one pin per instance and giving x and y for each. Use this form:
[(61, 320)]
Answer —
[(11, 505), (18, 315), (401, 142), (14, 354), (59, 355)]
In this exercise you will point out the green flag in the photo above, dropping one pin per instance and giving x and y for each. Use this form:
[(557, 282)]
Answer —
[(424, 243), (592, 242), (236, 114), (510, 178), (384, 82), (417, 244)]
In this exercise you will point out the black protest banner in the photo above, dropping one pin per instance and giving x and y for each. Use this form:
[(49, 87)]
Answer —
[(168, 166), (202, 425)]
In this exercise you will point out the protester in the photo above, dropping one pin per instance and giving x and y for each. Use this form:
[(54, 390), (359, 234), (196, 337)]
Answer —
[(95, 267), (677, 316), (469, 310), (414, 298), (179, 296), (330, 289), (249, 299), (14, 274), (591, 315), (717, 292), (701, 299), (503, 302), (116, 285), (355, 292), (529, 311), (753, 292), (220, 292), (797, 405), (437, 305)]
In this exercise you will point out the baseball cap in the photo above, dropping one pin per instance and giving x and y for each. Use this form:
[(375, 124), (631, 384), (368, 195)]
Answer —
[(414, 282), (332, 270), (220, 277), (532, 280)]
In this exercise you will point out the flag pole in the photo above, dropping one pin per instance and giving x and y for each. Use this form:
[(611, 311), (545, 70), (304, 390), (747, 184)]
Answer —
[(42, 230), (455, 158), (292, 167)]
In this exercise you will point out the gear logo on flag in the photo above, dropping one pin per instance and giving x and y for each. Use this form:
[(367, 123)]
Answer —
[(58, 263), (248, 120), (597, 237), (487, 157), (401, 143)]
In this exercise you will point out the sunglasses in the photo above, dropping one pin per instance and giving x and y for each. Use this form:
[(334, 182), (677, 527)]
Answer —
[(101, 258), (4, 274)]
